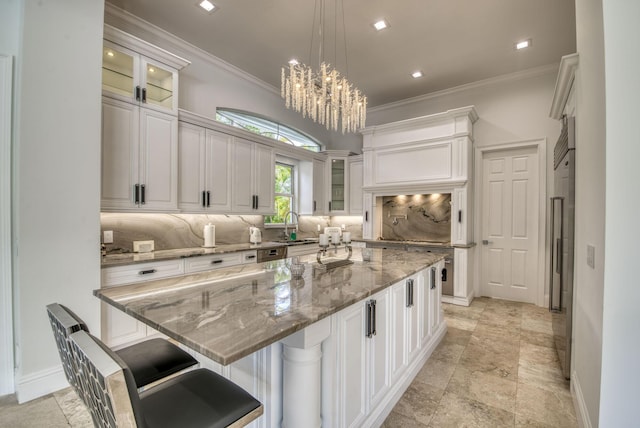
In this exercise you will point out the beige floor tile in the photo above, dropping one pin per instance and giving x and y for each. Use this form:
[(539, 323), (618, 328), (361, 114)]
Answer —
[(536, 338), (456, 411), (538, 325), (542, 406), (495, 333), (539, 367), (42, 412), (487, 389), (523, 422), (419, 402), (396, 420), (461, 323), (471, 312), (73, 408), (457, 336), (436, 373), (449, 352), (476, 358)]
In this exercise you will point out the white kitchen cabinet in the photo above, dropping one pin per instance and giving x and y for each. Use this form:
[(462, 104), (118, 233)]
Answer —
[(117, 328), (435, 291), (212, 261), (362, 366), (319, 199), (367, 215), (139, 73), (337, 170), (253, 177), (139, 158), (302, 249), (406, 308), (461, 216), (204, 170), (356, 172)]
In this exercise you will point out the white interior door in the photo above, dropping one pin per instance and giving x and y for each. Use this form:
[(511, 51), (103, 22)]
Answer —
[(509, 224)]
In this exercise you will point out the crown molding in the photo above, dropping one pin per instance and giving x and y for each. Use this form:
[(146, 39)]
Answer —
[(519, 75), (425, 121), (194, 51), (566, 74)]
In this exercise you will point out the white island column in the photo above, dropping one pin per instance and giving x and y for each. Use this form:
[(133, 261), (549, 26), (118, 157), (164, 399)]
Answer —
[(302, 383)]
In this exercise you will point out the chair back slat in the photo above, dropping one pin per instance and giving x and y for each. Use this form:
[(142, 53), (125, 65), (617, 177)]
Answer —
[(64, 324), (105, 380)]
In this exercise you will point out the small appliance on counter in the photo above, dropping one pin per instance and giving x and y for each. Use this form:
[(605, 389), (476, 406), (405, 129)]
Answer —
[(255, 235), (209, 235)]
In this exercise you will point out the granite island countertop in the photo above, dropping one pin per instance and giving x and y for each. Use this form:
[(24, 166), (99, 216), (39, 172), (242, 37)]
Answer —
[(230, 313)]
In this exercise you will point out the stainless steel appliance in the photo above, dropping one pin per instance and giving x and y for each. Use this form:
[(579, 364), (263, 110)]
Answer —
[(562, 242), (269, 254), (422, 247)]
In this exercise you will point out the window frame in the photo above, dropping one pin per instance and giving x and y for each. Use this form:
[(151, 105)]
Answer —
[(295, 175)]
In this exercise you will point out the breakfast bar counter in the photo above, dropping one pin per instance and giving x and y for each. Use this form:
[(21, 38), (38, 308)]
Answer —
[(229, 314)]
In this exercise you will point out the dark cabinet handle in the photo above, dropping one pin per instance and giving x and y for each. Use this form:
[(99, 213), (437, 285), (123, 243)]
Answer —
[(216, 262), (459, 216), (147, 272), (368, 328), (329, 205), (137, 93), (373, 317), (433, 278), (144, 95), (257, 201), (409, 293), (208, 198), (444, 274), (204, 200), (314, 206), (142, 197), (252, 256), (366, 216), (136, 193)]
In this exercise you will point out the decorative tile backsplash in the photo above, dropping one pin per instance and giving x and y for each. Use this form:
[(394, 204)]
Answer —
[(172, 231), (417, 217)]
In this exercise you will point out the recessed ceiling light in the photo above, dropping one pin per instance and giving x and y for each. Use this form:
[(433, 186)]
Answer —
[(293, 61), (110, 53), (523, 44), (416, 74), (381, 25), (207, 5)]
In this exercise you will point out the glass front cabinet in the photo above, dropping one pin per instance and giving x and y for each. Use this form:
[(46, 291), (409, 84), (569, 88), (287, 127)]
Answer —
[(338, 182)]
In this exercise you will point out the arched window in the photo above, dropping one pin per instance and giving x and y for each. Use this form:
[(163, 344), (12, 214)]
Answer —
[(267, 128)]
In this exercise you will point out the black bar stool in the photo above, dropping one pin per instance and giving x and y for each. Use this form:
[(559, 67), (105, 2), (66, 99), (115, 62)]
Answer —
[(197, 398), (149, 361)]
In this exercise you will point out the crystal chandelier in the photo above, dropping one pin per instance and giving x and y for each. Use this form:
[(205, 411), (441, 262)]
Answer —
[(324, 95)]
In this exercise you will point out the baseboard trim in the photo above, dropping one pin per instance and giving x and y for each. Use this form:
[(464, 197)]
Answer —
[(578, 402), (41, 383), (460, 301), (379, 415)]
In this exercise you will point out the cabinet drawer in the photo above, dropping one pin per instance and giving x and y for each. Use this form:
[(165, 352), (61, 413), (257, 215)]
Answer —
[(300, 250), (119, 275), (249, 257), (214, 261)]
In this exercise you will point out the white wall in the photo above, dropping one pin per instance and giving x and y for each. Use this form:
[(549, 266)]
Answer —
[(621, 317), (590, 207), (206, 84), (56, 180)]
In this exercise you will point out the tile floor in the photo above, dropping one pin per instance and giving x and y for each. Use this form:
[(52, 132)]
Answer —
[(496, 367)]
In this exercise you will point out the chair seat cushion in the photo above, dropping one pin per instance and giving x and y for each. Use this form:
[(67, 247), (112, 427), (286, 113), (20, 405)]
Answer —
[(155, 359), (199, 398)]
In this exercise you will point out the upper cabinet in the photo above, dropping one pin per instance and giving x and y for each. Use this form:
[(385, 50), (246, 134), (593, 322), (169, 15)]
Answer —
[(253, 177), (338, 182), (355, 185), (139, 125), (138, 72)]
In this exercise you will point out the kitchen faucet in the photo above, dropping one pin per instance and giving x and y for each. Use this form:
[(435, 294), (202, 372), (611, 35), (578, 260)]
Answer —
[(286, 227)]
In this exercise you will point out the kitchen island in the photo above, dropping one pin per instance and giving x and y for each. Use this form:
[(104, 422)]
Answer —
[(326, 334)]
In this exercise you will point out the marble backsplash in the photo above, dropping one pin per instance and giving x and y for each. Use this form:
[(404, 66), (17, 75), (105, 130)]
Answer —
[(173, 231), (417, 217)]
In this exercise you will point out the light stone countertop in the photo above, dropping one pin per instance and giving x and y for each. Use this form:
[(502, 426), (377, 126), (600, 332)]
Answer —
[(227, 314)]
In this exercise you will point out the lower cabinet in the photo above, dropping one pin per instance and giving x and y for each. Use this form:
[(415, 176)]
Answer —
[(362, 339), (379, 345)]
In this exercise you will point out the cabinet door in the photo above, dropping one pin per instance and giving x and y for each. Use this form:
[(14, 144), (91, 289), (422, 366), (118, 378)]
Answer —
[(120, 75), (352, 373), (378, 351), (367, 216), (218, 183), (355, 187), (242, 196), (319, 203), (338, 183), (119, 328), (158, 160), (413, 319), (435, 316), (399, 329), (159, 83), (120, 153), (191, 167), (264, 180), (459, 216), (425, 302)]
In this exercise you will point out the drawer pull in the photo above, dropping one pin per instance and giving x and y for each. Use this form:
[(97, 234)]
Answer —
[(147, 272), (253, 256), (215, 262)]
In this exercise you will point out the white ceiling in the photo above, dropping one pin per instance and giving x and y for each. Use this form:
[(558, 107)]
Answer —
[(453, 42)]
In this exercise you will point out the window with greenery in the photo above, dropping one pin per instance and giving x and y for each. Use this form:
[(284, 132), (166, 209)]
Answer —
[(284, 194), (267, 128)]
